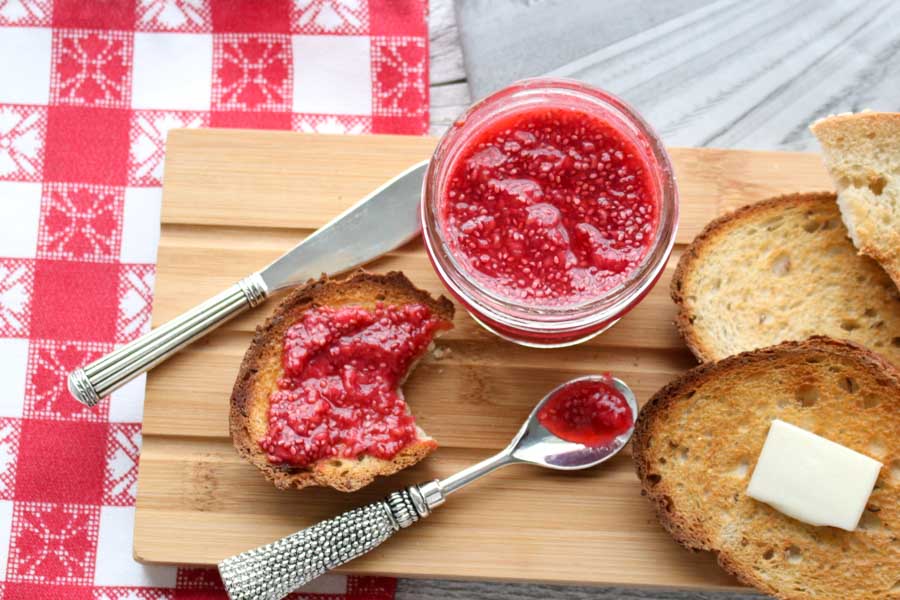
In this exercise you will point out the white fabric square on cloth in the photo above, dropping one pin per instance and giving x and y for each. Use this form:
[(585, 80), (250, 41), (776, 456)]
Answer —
[(140, 225), (20, 211), (172, 71), (126, 404), (115, 565), (14, 361), (6, 517), (25, 55), (332, 74)]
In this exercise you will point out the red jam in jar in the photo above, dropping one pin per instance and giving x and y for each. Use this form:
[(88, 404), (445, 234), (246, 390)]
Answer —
[(339, 395), (591, 412), (549, 210), (549, 206)]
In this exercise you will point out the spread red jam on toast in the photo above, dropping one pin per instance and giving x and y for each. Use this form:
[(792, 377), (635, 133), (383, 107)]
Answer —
[(339, 396)]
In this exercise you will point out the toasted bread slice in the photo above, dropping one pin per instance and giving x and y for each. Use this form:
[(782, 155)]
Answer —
[(782, 269), (862, 153), (697, 441), (262, 367)]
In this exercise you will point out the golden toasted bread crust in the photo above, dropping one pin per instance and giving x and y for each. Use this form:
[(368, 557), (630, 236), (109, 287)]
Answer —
[(719, 229), (861, 152), (697, 440), (261, 369)]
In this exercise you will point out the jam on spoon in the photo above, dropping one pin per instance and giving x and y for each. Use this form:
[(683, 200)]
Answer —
[(590, 412)]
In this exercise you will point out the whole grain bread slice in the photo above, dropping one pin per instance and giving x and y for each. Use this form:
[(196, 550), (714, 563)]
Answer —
[(696, 443), (782, 269), (862, 153), (262, 367)]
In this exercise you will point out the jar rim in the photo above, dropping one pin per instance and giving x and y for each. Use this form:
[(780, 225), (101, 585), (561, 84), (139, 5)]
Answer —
[(550, 319)]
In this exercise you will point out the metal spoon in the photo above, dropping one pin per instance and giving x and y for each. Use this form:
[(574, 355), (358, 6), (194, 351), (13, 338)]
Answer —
[(272, 571)]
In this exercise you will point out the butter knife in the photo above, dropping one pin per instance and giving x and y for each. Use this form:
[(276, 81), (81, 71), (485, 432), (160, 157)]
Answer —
[(382, 221)]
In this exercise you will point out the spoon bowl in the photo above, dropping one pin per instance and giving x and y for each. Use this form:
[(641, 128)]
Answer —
[(536, 445)]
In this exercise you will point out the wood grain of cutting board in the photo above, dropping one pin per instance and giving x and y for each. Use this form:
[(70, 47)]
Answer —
[(232, 202)]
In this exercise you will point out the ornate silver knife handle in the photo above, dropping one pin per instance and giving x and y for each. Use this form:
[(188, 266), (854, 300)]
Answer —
[(380, 222), (273, 571), (101, 377)]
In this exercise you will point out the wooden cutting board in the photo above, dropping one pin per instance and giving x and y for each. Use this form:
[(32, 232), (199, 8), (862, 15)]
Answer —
[(233, 201)]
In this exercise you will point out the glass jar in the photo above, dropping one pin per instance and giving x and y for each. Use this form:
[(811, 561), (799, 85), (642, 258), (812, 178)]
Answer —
[(521, 321)]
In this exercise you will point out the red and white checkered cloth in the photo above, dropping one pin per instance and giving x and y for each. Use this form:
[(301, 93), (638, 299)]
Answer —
[(88, 89)]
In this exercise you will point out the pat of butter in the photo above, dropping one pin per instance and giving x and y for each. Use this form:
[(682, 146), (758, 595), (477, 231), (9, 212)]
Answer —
[(812, 479)]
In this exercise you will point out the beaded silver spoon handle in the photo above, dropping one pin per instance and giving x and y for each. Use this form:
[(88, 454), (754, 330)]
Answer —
[(275, 570)]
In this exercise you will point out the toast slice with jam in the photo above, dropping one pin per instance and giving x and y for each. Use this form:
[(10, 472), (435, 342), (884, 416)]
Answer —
[(318, 399)]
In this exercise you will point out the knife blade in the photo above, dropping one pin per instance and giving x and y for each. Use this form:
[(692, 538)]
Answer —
[(380, 222), (385, 219)]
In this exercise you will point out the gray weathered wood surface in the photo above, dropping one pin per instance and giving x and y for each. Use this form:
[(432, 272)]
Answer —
[(411, 589), (449, 89), (449, 97), (754, 75), (721, 73), (506, 40)]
